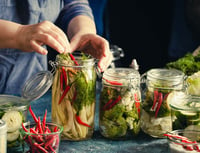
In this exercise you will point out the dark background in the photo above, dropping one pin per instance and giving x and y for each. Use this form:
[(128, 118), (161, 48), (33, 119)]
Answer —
[(142, 29)]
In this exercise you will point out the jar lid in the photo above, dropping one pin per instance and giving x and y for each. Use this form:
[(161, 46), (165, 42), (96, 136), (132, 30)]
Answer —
[(37, 85), (180, 101), (3, 127), (124, 75), (165, 74)]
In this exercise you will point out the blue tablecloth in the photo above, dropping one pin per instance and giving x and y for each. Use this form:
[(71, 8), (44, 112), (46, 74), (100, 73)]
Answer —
[(98, 144)]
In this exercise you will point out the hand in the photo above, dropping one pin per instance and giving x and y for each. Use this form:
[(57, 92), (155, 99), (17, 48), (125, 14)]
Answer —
[(94, 45), (31, 38)]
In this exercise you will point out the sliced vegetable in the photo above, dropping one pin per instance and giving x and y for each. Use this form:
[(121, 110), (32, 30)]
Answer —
[(13, 120)]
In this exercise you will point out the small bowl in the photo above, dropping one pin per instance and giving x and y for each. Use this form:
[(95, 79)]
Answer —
[(49, 141), (184, 141)]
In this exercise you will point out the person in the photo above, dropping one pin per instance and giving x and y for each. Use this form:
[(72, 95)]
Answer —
[(99, 9), (27, 27)]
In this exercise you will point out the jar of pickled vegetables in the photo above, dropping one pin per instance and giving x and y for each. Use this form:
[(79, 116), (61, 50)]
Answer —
[(3, 136), (119, 105), (156, 113), (13, 111), (185, 111), (74, 95)]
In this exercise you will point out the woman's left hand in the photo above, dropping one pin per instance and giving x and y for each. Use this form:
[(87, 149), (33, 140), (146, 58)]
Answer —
[(94, 45)]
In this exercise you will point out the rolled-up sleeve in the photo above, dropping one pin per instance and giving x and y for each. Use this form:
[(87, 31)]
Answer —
[(71, 9)]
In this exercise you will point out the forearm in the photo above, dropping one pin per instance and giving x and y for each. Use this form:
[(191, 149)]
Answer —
[(81, 25), (8, 34)]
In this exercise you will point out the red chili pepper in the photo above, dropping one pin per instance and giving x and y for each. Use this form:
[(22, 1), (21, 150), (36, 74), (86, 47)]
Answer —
[(136, 97), (196, 147), (40, 147), (44, 120), (64, 75), (33, 114), (189, 148), (155, 97), (113, 82), (64, 94), (165, 97), (137, 105), (108, 103), (61, 80), (24, 128), (78, 119), (39, 126), (73, 59), (160, 100), (114, 103)]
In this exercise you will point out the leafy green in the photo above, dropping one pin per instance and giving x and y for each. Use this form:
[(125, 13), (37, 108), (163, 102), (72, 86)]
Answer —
[(194, 84), (188, 64)]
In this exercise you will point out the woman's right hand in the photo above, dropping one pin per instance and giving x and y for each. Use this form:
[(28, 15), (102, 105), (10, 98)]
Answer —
[(31, 38)]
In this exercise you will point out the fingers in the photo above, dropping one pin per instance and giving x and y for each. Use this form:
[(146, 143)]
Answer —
[(44, 33), (94, 45)]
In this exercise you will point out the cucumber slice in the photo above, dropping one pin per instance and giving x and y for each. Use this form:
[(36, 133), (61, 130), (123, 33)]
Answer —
[(13, 120), (12, 136)]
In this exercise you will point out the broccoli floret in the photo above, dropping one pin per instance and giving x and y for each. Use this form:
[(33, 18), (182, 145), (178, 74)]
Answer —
[(114, 113), (114, 129)]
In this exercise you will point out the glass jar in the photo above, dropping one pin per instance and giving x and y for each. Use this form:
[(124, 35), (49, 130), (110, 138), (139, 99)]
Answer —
[(156, 113), (74, 95), (13, 110), (185, 111), (3, 136), (119, 107)]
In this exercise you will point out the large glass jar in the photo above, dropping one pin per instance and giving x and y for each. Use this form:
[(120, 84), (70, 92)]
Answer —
[(185, 111), (119, 110), (74, 95), (156, 113)]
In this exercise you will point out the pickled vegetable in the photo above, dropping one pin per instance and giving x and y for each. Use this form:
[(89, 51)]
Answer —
[(73, 97)]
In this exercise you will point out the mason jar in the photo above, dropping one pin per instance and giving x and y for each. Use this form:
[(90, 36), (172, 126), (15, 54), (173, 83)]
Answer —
[(185, 111), (74, 95), (13, 111), (156, 112), (119, 105), (3, 136)]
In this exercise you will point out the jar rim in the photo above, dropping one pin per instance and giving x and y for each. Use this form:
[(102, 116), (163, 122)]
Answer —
[(121, 73), (165, 74)]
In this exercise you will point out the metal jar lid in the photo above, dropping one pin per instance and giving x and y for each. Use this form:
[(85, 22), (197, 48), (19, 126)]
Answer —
[(3, 127)]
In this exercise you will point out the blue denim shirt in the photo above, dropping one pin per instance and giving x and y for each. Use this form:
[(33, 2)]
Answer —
[(17, 66)]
